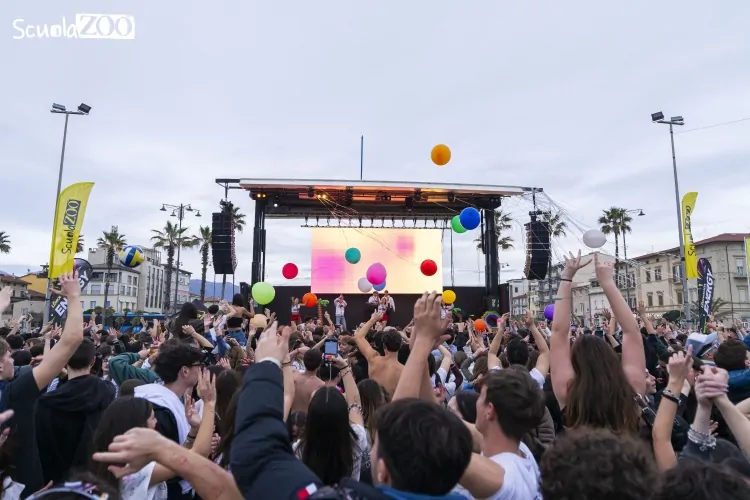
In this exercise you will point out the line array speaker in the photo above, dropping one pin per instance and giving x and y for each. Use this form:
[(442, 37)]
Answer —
[(222, 242), (537, 250)]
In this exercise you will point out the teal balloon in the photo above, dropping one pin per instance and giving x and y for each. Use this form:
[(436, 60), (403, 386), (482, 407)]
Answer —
[(263, 293), (456, 225), (352, 255)]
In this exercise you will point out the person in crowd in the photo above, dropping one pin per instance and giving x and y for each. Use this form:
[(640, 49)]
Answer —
[(374, 299), (307, 382), (389, 299), (386, 369), (235, 317), (340, 305), (67, 417)]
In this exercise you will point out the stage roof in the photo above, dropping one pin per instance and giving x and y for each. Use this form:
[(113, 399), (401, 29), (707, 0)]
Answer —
[(295, 199)]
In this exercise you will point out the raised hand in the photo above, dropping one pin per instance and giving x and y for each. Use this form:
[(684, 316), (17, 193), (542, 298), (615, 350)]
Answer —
[(70, 287), (206, 386), (428, 327), (193, 417), (679, 365), (711, 384), (272, 345), (528, 319), (604, 270), (572, 264), (377, 316), (136, 448)]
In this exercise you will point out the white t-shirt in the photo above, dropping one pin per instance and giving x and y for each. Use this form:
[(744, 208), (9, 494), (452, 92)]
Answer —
[(340, 307), (362, 448), (135, 486), (11, 489), (446, 310), (521, 481), (537, 376)]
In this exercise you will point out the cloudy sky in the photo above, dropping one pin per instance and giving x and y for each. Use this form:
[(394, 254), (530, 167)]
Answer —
[(555, 96)]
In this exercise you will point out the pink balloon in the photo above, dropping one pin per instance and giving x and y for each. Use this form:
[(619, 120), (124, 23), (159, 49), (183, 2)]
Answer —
[(289, 271), (376, 273)]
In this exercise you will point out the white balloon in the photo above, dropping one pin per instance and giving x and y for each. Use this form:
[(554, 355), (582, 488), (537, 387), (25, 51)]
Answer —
[(593, 238), (364, 285)]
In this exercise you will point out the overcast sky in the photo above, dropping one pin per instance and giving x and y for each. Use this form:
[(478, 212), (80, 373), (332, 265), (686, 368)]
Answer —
[(554, 95)]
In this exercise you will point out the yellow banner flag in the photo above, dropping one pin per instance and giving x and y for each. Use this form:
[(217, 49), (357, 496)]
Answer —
[(691, 259), (71, 207)]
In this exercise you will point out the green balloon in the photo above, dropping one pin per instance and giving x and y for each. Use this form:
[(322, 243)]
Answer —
[(456, 225), (263, 293)]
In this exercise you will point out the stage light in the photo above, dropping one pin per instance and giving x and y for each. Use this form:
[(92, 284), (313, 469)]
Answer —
[(409, 202), (451, 197), (417, 195), (310, 192), (275, 201), (348, 197)]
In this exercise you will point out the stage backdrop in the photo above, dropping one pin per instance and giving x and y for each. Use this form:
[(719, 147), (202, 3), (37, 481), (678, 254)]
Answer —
[(401, 251)]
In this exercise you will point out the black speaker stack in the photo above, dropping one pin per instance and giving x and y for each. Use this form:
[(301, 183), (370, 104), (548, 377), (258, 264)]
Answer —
[(537, 250), (222, 241)]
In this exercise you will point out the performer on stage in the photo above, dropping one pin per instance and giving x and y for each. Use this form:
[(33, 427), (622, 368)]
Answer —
[(295, 317), (340, 312)]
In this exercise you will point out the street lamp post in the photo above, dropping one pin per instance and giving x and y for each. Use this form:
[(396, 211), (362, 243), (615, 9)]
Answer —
[(179, 212), (658, 117), (59, 109), (625, 250)]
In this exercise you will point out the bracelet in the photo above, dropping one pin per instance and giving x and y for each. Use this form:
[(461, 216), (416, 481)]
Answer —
[(288, 363), (566, 279), (667, 394), (357, 406)]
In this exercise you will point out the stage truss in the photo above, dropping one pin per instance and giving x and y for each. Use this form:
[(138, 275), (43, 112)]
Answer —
[(333, 203)]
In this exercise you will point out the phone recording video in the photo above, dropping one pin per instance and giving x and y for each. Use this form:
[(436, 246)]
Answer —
[(330, 349)]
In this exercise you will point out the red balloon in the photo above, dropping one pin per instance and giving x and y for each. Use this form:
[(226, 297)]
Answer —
[(289, 271), (428, 267)]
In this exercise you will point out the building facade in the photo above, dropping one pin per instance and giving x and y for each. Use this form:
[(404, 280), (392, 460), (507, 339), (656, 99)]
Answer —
[(151, 286), (19, 291)]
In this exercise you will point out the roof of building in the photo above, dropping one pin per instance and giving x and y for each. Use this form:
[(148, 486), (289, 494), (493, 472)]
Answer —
[(35, 295), (719, 238), (12, 280)]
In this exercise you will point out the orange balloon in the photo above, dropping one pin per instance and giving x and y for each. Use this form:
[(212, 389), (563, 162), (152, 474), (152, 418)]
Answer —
[(441, 155), (480, 325), (309, 299)]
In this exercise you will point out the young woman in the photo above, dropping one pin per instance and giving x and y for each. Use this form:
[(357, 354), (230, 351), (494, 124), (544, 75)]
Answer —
[(334, 440), (237, 314), (295, 317)]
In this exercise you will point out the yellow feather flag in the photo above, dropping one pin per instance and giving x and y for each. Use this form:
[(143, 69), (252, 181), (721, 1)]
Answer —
[(71, 207), (691, 259)]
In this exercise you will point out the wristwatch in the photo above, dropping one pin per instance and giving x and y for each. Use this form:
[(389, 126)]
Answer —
[(676, 399)]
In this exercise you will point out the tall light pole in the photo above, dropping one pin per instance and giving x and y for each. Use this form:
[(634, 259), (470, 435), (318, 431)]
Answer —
[(625, 249), (59, 109), (179, 212), (658, 117)]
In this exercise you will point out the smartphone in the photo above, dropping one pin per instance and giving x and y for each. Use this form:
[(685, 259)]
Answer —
[(599, 333), (330, 349)]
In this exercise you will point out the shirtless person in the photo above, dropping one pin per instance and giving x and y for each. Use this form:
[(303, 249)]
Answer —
[(385, 370), (307, 382)]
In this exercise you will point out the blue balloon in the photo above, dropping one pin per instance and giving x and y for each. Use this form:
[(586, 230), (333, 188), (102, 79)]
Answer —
[(469, 218), (352, 255), (379, 288)]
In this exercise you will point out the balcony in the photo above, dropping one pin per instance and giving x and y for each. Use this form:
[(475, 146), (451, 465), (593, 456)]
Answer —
[(740, 273)]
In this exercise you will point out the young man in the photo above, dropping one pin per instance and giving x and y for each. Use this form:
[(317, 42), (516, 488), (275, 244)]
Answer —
[(67, 417), (21, 394), (386, 369), (307, 382), (340, 304)]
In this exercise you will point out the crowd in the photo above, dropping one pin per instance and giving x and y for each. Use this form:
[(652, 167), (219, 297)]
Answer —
[(212, 406)]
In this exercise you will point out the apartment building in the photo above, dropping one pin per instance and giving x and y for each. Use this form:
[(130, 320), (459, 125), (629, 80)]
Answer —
[(658, 275), (151, 285), (19, 292)]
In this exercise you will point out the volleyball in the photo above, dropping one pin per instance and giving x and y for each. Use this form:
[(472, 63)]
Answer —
[(131, 256)]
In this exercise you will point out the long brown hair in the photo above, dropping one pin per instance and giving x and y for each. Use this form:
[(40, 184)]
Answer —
[(373, 396), (599, 395)]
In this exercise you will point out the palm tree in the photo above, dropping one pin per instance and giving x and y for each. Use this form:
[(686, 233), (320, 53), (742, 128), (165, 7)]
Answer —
[(171, 237), (111, 242), (79, 245), (238, 218), (616, 221), (557, 229), (322, 304), (204, 242), (503, 222), (4, 242), (716, 307)]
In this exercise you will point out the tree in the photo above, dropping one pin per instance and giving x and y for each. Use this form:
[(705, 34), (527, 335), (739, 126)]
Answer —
[(615, 221), (672, 316), (322, 304), (716, 307), (204, 244), (503, 222), (79, 245), (238, 218), (98, 310), (135, 320), (111, 242), (4, 242), (169, 238), (557, 229)]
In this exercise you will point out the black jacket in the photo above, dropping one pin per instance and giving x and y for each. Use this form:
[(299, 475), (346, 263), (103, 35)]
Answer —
[(66, 420)]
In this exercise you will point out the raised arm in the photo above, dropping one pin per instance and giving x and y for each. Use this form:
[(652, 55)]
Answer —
[(360, 337), (661, 433), (542, 362), (560, 365), (351, 392), (72, 336), (492, 355), (644, 317), (633, 354)]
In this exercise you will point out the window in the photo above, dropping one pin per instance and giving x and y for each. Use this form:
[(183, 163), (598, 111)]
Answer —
[(515, 289), (128, 292), (740, 263), (677, 272), (633, 303), (743, 294), (92, 304), (657, 274), (650, 299), (631, 280), (82, 306), (130, 280), (96, 289), (648, 275), (660, 299), (679, 297), (135, 280), (108, 304)]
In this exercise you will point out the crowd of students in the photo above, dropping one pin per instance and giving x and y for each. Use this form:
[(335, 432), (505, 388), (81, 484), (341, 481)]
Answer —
[(208, 406)]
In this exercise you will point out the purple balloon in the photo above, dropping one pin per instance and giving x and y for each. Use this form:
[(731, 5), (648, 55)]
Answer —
[(549, 312), (376, 274)]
